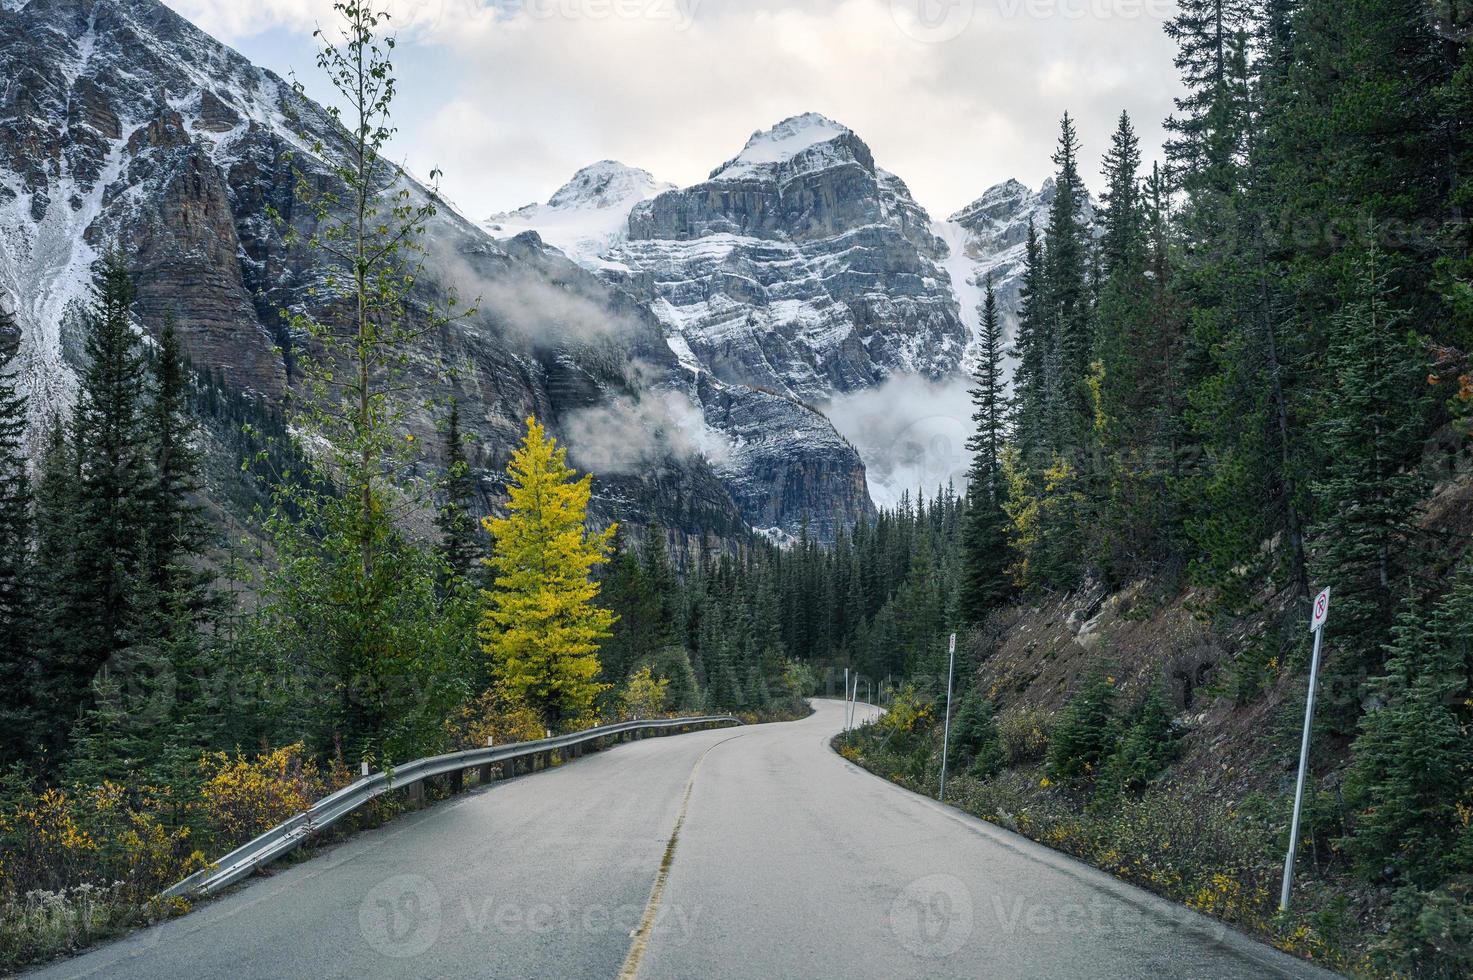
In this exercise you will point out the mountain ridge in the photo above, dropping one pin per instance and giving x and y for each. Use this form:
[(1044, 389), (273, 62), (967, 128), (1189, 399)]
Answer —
[(126, 124)]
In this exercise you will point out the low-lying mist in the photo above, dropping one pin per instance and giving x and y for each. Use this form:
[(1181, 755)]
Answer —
[(911, 432)]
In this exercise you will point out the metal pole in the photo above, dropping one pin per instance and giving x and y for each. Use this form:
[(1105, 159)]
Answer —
[(946, 728), (1314, 670), (846, 699)]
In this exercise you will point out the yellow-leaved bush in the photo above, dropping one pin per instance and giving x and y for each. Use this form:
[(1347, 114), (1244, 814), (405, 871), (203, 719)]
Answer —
[(244, 797), (494, 716)]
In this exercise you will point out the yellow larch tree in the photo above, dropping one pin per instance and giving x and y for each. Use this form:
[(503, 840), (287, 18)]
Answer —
[(541, 627)]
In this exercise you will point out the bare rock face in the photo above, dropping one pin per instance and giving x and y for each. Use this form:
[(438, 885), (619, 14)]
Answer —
[(184, 250), (798, 265), (786, 459)]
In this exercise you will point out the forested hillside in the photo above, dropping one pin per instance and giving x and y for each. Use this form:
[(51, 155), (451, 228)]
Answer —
[(1253, 384)]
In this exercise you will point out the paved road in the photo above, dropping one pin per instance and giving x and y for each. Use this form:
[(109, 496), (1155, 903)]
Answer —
[(787, 862)]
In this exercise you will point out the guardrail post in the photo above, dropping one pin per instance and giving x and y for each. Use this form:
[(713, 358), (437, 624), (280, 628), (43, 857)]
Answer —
[(457, 781), (415, 793), (487, 773)]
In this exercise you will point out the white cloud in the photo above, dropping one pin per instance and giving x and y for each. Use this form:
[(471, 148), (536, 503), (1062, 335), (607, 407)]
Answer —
[(911, 432), (511, 97)]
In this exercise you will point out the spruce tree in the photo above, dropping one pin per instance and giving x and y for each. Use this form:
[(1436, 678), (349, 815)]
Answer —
[(1413, 764), (1371, 432), (976, 744), (1145, 749), (178, 529), (1030, 349), (63, 640), (115, 478), (1203, 31), (1122, 246), (985, 582), (1066, 286), (1086, 735), (456, 522), (16, 567)]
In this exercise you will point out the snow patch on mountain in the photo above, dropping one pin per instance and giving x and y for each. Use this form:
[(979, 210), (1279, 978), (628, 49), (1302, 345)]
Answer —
[(989, 239), (768, 148), (966, 281), (588, 215)]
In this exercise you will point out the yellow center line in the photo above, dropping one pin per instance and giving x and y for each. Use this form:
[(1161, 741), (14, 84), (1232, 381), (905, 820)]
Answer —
[(641, 936)]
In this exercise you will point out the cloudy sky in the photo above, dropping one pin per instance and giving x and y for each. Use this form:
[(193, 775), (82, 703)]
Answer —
[(510, 97)]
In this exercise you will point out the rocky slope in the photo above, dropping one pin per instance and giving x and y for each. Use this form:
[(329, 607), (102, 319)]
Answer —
[(122, 124)]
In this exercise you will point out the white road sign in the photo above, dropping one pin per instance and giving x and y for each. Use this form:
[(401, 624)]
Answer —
[(1321, 612)]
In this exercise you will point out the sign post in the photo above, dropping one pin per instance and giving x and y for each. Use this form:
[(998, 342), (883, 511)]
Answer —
[(1317, 620), (846, 698), (946, 728)]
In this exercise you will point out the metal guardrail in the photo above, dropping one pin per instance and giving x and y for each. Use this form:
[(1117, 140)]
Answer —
[(283, 838)]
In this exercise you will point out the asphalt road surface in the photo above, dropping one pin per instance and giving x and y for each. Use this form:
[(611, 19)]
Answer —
[(745, 852)]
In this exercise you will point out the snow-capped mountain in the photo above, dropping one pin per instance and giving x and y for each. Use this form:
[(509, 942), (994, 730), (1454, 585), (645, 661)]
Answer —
[(589, 215), (122, 124), (798, 265)]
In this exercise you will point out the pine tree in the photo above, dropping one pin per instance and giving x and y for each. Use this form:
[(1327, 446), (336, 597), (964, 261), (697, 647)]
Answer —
[(541, 628), (1413, 764), (62, 640), (16, 567), (985, 582), (1086, 735)]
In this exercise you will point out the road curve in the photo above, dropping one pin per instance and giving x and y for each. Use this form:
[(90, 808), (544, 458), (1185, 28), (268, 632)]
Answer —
[(752, 852)]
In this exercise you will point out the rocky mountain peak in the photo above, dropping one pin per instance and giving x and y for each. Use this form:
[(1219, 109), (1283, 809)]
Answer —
[(607, 184), (799, 143), (123, 124), (588, 215)]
